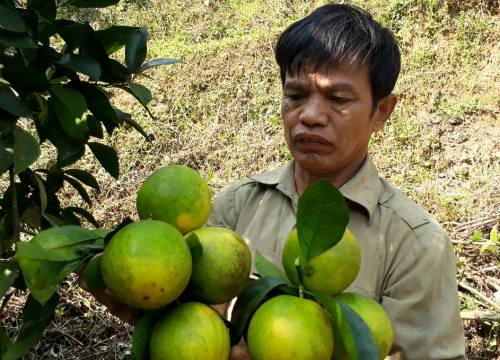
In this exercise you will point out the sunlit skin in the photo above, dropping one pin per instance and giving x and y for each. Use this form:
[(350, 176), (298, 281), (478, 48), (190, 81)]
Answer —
[(329, 118)]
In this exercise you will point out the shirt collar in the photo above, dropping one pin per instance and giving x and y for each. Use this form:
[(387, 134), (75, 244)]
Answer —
[(364, 188)]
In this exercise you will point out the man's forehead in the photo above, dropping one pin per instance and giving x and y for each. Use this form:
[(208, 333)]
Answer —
[(324, 77)]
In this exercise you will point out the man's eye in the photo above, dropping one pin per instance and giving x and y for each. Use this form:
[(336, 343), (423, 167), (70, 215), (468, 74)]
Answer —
[(339, 100), (294, 97)]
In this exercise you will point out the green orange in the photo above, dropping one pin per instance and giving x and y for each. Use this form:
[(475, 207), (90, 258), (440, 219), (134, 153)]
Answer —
[(190, 331), (374, 316), (289, 328), (331, 272), (147, 264), (222, 267), (177, 195)]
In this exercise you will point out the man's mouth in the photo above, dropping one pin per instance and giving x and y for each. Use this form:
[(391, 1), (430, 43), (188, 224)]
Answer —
[(311, 138)]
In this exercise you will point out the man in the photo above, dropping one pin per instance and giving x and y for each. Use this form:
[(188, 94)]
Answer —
[(338, 69)]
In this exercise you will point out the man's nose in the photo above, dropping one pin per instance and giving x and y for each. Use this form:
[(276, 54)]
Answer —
[(314, 112)]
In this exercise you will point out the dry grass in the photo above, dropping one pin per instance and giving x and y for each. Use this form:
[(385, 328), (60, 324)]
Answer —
[(218, 112)]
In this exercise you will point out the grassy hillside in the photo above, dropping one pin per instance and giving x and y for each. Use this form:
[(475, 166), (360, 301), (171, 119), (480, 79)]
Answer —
[(218, 112)]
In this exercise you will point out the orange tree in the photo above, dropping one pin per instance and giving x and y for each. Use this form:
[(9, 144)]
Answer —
[(54, 80)]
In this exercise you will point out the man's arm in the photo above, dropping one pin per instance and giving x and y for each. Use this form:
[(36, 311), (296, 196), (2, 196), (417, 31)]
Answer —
[(420, 295)]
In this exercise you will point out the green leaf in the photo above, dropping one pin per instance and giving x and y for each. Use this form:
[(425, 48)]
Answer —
[(194, 246), (11, 21), (266, 268), (73, 33), (51, 256), (82, 64), (38, 182), (17, 40), (6, 153), (26, 149), (91, 273), (127, 119), (10, 102), (156, 62), (141, 93), (142, 334), (71, 109), (357, 339), (36, 318), (136, 49), (99, 105), (92, 3), (78, 187), (23, 78), (4, 342), (107, 157), (84, 176), (8, 273), (322, 217), (115, 37), (45, 9), (477, 236), (95, 127), (248, 301)]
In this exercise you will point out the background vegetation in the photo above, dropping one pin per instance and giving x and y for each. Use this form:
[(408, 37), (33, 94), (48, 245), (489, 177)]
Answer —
[(218, 112)]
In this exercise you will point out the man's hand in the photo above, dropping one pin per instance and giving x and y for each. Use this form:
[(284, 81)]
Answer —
[(114, 306), (240, 352)]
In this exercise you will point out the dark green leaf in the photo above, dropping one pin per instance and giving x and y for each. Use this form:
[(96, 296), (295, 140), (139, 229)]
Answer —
[(82, 64), (248, 301), (142, 334), (120, 226), (45, 9), (117, 73), (8, 273), (32, 217), (71, 109), (73, 33), (53, 220), (51, 256), (83, 213), (41, 190), (127, 119), (26, 149), (84, 176), (6, 153), (11, 21), (95, 127), (156, 62), (357, 340), (91, 273), (98, 103), (266, 268), (4, 342), (68, 150), (92, 3), (9, 101), (322, 217), (141, 93), (23, 78), (194, 246), (17, 40), (36, 318), (107, 157), (136, 49), (115, 37), (78, 187)]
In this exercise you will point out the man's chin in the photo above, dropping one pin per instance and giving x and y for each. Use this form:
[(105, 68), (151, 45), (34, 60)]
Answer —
[(315, 164)]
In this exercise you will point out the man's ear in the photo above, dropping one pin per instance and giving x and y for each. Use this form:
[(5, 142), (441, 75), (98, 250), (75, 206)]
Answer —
[(383, 111)]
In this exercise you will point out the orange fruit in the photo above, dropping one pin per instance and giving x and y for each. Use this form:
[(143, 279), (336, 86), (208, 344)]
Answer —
[(289, 328), (222, 269), (331, 272), (177, 195), (190, 331), (147, 264)]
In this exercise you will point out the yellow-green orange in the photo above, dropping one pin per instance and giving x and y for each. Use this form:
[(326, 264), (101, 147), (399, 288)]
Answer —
[(375, 317), (190, 331), (289, 328), (177, 195), (331, 272), (222, 269), (146, 264)]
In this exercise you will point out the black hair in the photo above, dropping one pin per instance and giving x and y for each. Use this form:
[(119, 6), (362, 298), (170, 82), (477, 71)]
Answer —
[(339, 35)]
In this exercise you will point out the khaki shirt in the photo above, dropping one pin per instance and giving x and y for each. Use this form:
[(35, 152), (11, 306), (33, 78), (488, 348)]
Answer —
[(407, 260)]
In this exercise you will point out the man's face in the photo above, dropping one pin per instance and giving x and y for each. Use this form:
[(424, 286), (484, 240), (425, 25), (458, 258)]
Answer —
[(328, 118)]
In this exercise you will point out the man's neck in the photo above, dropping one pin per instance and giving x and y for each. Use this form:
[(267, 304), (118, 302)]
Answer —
[(304, 178)]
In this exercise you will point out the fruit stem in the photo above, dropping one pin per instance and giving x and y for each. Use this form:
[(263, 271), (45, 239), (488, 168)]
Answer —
[(301, 291)]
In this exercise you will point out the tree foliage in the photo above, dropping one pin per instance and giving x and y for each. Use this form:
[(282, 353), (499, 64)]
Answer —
[(55, 77)]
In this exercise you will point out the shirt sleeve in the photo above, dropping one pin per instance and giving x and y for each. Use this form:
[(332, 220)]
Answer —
[(223, 210), (421, 297)]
